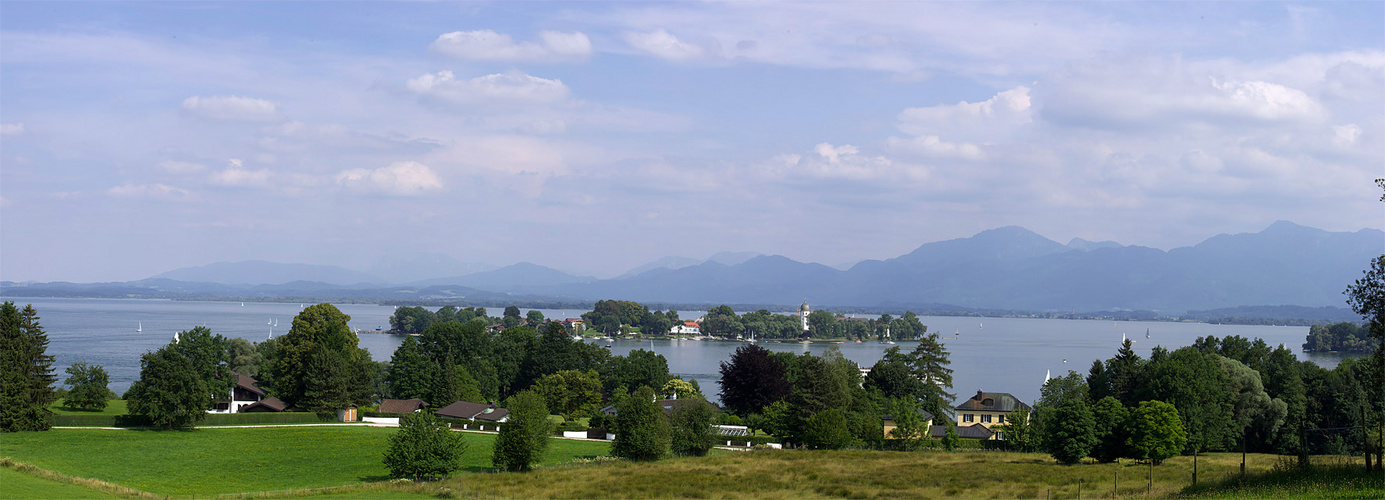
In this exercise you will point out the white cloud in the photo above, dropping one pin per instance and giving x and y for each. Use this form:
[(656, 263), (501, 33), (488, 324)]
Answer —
[(234, 108), (182, 167), (835, 154), (664, 45), (235, 174), (1346, 134), (932, 146), (511, 87), (150, 192), (980, 121), (11, 129), (487, 45), (402, 178)]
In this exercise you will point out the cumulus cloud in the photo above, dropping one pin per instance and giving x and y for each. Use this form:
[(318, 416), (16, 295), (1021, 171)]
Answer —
[(402, 178), (11, 129), (150, 192), (975, 120), (511, 87), (1170, 93), (182, 167), (487, 45), (233, 108), (235, 174), (664, 45)]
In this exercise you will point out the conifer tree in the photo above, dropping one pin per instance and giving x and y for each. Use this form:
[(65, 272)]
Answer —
[(26, 382)]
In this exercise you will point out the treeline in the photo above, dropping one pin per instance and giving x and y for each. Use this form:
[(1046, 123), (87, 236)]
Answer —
[(1228, 394), (414, 320), (1340, 337)]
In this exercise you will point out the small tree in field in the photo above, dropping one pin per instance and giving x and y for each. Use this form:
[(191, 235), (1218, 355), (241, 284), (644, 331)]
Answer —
[(692, 429), (89, 391), (642, 432), (1156, 432), (524, 438), (424, 448)]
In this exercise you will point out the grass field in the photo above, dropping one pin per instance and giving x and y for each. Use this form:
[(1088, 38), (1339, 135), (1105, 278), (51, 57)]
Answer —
[(217, 461), (21, 486), (284, 461), (113, 407), (853, 474)]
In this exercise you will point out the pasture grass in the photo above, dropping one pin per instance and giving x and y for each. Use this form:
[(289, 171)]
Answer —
[(20, 486), (1345, 479), (113, 407), (852, 474), (235, 460)]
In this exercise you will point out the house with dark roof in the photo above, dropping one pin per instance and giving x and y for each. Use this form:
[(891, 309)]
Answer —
[(402, 405), (270, 404), (245, 393), (668, 405), (989, 409), (973, 431), (479, 412), (925, 418)]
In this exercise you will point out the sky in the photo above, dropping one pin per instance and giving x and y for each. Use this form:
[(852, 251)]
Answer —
[(137, 138)]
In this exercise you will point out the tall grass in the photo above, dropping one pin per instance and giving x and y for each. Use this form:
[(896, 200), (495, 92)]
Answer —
[(1339, 479), (100, 488)]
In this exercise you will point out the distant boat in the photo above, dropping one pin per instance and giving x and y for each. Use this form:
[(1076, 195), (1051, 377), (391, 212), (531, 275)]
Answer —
[(1146, 333), (242, 304), (276, 321), (139, 328)]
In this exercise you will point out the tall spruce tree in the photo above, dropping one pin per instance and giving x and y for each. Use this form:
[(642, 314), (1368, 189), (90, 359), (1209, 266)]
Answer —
[(26, 382)]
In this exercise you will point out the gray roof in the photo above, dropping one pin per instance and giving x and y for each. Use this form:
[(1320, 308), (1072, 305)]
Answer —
[(974, 431), (993, 401)]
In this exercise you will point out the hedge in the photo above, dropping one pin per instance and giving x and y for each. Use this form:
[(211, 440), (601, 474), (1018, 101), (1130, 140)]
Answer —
[(211, 419)]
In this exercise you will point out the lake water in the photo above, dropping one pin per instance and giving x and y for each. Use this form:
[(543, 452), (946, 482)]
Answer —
[(992, 354)]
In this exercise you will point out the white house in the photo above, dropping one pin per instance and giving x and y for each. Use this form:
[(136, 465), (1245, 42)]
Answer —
[(686, 328), (243, 394)]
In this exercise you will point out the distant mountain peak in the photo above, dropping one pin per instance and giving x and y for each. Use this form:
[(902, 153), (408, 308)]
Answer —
[(262, 272)]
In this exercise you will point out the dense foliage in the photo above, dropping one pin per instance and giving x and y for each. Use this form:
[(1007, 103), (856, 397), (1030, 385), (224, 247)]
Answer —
[(26, 370), (524, 438), (88, 382), (1340, 337), (319, 365), (424, 448), (170, 392), (642, 432)]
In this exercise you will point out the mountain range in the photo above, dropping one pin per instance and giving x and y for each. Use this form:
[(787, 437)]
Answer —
[(1008, 268)]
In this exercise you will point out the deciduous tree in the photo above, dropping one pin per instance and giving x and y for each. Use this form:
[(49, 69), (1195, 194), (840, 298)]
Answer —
[(642, 432), (751, 380), (89, 386), (690, 428), (424, 448), (1156, 432), (169, 392), (523, 439)]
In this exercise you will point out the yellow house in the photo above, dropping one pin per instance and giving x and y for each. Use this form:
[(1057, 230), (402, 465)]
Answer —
[(990, 410), (887, 422)]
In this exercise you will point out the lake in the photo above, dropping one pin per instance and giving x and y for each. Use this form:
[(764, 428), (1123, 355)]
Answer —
[(992, 354)]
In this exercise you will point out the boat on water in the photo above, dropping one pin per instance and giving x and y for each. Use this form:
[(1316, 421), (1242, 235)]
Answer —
[(139, 328)]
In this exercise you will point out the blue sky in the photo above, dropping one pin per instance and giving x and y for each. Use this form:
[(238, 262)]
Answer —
[(593, 137)]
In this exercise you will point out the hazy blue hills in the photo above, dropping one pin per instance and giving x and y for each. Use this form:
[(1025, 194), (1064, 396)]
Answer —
[(1009, 268), (259, 272), (1014, 268)]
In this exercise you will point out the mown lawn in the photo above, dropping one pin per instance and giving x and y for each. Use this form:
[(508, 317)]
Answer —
[(217, 461), (20, 486), (113, 407)]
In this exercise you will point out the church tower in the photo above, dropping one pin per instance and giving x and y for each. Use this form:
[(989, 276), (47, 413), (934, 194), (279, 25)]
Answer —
[(803, 315)]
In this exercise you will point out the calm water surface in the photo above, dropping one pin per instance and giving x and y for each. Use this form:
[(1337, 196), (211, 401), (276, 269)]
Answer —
[(992, 354)]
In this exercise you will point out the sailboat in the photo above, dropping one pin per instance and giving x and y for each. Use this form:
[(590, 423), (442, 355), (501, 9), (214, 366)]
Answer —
[(139, 328), (1146, 333)]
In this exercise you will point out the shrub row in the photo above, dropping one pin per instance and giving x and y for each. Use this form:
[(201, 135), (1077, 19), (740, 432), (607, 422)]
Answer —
[(212, 419)]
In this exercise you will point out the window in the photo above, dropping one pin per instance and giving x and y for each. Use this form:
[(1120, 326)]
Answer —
[(985, 419), (1000, 418), (967, 417), (1000, 436)]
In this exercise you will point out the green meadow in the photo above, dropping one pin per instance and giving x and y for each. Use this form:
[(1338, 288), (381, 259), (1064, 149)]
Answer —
[(345, 462), (219, 461)]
